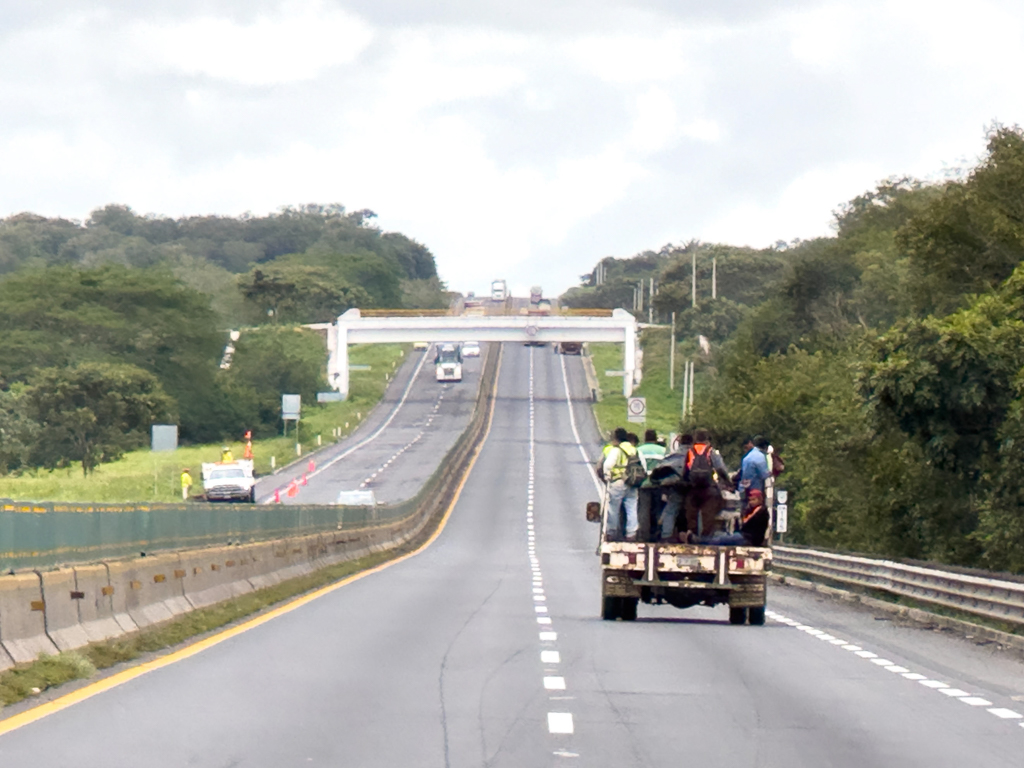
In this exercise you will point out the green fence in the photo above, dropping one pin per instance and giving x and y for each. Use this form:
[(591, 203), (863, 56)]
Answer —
[(39, 535)]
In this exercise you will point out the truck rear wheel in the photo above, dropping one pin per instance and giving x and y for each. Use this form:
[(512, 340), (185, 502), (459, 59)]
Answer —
[(757, 616), (739, 615), (627, 608), (610, 607)]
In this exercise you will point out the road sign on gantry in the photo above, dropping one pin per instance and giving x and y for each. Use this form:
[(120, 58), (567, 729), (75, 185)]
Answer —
[(636, 410)]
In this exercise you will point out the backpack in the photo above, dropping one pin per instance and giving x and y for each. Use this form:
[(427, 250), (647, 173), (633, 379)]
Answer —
[(635, 472), (699, 467)]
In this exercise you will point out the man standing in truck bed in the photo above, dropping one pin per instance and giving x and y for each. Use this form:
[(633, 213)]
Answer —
[(620, 494), (705, 469)]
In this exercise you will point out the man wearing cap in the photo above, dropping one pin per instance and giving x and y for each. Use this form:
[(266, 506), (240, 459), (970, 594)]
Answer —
[(753, 526)]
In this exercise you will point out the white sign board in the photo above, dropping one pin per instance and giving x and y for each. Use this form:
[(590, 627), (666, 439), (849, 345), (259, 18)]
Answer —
[(291, 406), (782, 495), (636, 409), (781, 518)]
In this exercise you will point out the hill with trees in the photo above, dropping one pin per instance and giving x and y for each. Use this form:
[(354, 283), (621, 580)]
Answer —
[(112, 324), (886, 361)]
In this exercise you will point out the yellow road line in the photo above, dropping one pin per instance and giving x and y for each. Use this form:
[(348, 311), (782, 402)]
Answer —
[(120, 678)]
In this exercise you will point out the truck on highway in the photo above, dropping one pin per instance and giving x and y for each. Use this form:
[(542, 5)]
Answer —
[(536, 294), (499, 291), (448, 362), (229, 481), (682, 575)]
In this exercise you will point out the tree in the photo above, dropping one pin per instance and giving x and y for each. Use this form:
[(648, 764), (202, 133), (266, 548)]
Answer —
[(93, 412), (270, 362), (297, 293)]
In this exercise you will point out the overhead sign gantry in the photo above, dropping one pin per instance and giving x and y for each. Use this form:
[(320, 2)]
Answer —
[(352, 328)]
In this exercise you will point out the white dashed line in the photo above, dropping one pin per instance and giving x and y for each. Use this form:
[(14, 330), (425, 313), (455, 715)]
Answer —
[(550, 657), (560, 722), (944, 688)]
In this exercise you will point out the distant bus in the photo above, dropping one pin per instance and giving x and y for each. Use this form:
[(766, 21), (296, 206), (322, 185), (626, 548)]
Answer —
[(498, 290)]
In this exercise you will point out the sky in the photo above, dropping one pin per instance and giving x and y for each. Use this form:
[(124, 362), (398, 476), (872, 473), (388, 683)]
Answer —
[(518, 140)]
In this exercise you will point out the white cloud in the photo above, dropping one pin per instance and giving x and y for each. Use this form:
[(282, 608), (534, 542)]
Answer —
[(510, 149), (298, 42)]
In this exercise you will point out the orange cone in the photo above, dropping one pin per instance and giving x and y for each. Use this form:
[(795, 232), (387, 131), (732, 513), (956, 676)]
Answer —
[(293, 490), (277, 495), (303, 479), (312, 465)]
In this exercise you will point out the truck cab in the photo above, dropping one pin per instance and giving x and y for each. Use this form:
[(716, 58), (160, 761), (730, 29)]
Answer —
[(229, 481), (448, 362)]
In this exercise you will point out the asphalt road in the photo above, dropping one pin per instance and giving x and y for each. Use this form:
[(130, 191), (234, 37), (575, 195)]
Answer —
[(396, 448), (486, 650)]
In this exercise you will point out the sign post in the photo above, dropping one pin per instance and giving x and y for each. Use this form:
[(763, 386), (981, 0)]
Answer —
[(636, 410), (782, 512)]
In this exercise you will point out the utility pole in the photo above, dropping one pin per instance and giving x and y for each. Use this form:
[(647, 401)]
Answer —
[(686, 385), (672, 355), (714, 277), (650, 303), (690, 409), (693, 300), (640, 290)]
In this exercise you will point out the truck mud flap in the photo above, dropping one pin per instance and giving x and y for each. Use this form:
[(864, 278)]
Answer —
[(618, 584), (748, 591)]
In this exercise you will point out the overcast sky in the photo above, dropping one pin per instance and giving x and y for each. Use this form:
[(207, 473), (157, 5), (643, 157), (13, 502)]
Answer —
[(515, 139)]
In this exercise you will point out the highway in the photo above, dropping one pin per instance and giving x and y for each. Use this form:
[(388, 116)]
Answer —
[(486, 650), (396, 447)]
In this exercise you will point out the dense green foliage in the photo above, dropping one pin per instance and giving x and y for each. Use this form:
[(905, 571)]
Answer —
[(886, 363), (124, 305)]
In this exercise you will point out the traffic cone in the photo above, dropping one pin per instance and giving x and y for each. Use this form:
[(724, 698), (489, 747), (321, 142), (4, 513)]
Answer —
[(277, 495), (293, 489), (312, 465), (303, 479)]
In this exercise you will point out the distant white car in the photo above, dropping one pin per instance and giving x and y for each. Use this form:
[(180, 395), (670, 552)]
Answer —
[(421, 345), (471, 349)]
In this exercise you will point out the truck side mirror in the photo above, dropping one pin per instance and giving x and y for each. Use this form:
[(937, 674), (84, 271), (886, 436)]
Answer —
[(593, 512)]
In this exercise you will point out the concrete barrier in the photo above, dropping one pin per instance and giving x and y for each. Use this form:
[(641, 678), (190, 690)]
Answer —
[(23, 621), (60, 600), (153, 588), (214, 575), (96, 605)]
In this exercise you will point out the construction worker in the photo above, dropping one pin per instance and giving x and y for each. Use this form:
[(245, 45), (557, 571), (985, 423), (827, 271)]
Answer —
[(620, 495), (651, 451), (186, 484), (226, 455), (247, 453)]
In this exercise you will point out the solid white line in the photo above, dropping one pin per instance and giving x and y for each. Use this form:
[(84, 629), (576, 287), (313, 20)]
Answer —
[(560, 722), (575, 431)]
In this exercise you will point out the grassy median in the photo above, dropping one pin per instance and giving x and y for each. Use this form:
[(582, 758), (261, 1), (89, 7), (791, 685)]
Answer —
[(146, 476)]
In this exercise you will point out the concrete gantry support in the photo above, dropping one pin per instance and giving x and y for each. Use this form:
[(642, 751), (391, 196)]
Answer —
[(352, 328)]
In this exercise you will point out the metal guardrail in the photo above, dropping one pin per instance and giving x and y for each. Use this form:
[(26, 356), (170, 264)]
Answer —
[(46, 534), (983, 596)]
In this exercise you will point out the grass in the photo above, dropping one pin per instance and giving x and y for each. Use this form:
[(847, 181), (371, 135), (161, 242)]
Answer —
[(664, 405), (28, 680), (146, 476)]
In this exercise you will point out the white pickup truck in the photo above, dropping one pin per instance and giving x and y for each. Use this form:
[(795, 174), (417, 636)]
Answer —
[(229, 481)]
